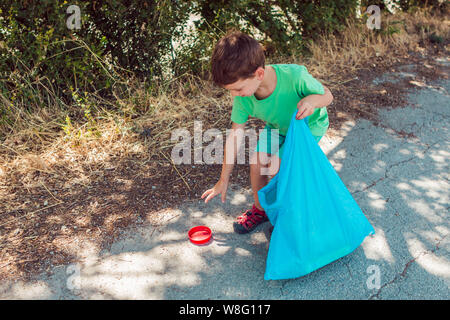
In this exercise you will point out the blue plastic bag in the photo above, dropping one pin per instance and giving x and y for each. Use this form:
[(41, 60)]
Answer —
[(315, 218)]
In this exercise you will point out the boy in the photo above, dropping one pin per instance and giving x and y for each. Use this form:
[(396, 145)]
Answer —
[(271, 93)]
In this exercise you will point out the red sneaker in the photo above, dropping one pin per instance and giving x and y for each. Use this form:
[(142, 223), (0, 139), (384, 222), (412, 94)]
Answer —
[(249, 220)]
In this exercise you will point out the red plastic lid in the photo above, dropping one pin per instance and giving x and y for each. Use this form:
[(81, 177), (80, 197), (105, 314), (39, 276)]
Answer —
[(199, 234)]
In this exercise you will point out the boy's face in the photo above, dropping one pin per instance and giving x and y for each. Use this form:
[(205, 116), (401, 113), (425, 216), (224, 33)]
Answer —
[(246, 87)]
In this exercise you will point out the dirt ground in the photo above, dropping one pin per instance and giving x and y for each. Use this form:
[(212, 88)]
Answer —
[(45, 225)]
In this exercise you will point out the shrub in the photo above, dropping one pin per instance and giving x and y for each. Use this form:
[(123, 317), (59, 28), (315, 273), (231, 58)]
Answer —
[(38, 53)]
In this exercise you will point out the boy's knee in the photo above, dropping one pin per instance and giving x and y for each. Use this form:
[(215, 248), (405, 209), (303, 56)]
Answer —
[(264, 164), (273, 167), (259, 159)]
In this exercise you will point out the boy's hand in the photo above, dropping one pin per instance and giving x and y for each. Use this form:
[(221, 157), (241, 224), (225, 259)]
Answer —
[(305, 109), (220, 188)]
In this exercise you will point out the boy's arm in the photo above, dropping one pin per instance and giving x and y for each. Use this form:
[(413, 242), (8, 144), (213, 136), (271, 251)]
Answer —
[(308, 104), (232, 144)]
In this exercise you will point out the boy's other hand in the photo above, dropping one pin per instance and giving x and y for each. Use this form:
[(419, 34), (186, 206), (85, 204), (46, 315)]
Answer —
[(305, 109), (220, 188)]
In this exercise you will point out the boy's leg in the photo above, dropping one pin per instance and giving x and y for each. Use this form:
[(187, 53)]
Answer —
[(265, 160), (264, 163), (258, 180), (264, 167), (261, 164)]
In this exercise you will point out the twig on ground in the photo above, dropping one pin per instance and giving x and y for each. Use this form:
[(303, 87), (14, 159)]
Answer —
[(51, 193), (173, 164), (23, 216)]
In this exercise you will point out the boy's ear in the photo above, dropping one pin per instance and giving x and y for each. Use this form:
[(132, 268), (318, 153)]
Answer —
[(259, 73)]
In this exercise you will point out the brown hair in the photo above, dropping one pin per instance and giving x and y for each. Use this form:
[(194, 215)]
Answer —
[(236, 56)]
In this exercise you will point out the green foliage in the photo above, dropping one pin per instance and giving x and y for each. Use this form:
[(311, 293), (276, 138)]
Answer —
[(44, 63), (283, 26), (116, 39), (412, 5), (408, 5), (38, 52), (391, 28)]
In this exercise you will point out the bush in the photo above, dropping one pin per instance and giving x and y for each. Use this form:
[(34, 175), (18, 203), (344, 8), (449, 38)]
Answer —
[(283, 26), (38, 53)]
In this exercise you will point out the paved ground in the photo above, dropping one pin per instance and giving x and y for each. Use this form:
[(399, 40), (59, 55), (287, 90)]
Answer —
[(401, 183)]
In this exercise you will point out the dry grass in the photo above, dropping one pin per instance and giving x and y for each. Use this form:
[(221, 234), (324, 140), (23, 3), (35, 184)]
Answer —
[(356, 47)]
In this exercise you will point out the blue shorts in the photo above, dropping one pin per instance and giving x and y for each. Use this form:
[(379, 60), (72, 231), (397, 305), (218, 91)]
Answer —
[(265, 142)]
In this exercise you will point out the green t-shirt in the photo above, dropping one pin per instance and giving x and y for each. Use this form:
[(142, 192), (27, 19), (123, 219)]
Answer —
[(293, 84)]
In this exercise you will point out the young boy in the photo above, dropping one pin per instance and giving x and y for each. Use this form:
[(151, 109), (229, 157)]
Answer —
[(271, 93)]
